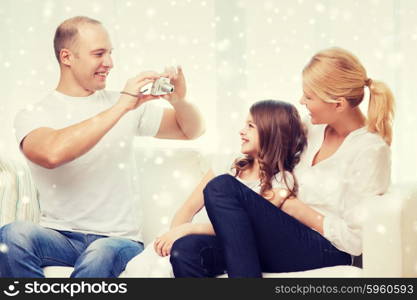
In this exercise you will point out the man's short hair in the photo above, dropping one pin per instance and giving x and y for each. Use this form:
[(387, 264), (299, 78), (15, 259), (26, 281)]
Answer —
[(66, 33)]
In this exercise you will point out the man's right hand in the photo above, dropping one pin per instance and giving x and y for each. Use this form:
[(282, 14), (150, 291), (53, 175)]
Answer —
[(133, 86)]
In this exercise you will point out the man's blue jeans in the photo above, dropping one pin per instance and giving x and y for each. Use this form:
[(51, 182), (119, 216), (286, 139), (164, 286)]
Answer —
[(252, 236), (28, 247)]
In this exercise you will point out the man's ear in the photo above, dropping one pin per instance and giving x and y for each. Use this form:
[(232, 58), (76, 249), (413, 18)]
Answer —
[(66, 56), (342, 104)]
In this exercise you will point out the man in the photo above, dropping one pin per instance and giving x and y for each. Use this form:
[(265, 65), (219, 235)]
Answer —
[(78, 142)]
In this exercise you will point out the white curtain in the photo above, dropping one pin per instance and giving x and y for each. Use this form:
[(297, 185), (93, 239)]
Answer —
[(233, 54)]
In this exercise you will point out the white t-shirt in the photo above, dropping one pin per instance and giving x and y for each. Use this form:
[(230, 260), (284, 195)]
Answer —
[(221, 164), (338, 185), (94, 193)]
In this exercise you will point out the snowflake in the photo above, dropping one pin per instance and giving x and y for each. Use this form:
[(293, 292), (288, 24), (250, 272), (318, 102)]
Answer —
[(158, 161), (25, 199), (320, 7), (164, 220), (3, 248), (381, 229)]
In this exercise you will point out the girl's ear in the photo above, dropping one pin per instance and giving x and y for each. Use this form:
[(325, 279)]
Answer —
[(342, 104)]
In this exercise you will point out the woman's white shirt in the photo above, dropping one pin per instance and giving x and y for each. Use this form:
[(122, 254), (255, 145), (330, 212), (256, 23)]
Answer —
[(338, 186)]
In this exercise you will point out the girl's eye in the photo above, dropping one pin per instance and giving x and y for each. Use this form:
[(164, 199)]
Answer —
[(99, 54), (251, 125)]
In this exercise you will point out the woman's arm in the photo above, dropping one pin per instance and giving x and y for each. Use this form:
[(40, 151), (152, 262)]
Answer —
[(303, 213), (297, 209)]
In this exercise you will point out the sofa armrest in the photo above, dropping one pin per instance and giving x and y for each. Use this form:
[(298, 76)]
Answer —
[(18, 194), (383, 237), (409, 229)]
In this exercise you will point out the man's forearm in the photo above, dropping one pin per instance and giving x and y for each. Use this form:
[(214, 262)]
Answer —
[(67, 144), (189, 119)]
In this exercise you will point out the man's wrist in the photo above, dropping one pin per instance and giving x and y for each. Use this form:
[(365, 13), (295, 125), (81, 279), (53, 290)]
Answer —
[(124, 103), (178, 101), (129, 94)]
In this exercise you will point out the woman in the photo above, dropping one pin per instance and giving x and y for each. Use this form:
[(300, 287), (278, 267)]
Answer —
[(347, 161), (272, 141)]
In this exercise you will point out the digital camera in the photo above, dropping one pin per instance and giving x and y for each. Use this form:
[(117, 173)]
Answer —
[(162, 86)]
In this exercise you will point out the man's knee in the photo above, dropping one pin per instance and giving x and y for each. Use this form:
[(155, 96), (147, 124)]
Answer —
[(109, 249), (18, 232)]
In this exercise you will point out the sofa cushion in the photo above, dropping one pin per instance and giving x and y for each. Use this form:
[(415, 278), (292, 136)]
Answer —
[(328, 272)]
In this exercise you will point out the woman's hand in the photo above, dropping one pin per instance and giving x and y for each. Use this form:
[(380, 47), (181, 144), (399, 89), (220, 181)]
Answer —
[(163, 244), (277, 196)]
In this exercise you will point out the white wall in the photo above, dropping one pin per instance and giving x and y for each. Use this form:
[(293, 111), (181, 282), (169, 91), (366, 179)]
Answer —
[(233, 53)]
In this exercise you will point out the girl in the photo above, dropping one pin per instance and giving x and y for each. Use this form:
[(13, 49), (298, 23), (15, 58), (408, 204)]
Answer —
[(346, 162), (272, 141)]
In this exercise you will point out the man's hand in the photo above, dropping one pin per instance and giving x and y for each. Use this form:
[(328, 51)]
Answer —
[(133, 86), (163, 244), (177, 79)]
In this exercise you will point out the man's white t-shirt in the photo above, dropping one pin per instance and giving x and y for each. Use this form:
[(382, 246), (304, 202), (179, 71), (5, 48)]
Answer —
[(93, 193)]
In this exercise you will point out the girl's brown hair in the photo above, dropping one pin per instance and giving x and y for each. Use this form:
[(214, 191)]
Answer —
[(282, 139)]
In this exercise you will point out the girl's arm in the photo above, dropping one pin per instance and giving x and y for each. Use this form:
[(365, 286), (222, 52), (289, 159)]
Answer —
[(193, 204), (181, 224)]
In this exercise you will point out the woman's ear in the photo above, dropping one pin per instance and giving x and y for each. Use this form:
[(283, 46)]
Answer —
[(342, 104)]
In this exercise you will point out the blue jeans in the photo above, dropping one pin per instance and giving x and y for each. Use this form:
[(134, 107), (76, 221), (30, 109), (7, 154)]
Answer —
[(252, 236), (28, 247)]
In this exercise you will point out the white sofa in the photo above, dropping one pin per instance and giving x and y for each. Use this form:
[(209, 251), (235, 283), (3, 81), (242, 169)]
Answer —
[(390, 231)]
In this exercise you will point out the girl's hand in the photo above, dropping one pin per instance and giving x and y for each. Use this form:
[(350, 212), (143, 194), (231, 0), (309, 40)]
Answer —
[(163, 244)]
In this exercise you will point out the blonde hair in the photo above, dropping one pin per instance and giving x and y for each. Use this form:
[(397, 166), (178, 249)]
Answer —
[(334, 73), (67, 32)]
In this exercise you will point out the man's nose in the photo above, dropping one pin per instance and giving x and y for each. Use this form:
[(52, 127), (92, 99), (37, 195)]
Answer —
[(108, 61)]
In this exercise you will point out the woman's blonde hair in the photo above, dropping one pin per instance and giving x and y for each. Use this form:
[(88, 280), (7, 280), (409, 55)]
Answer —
[(334, 73)]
